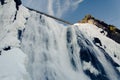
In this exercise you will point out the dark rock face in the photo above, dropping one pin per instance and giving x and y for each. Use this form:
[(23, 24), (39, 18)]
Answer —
[(96, 77), (18, 2), (7, 48), (2, 2), (19, 34), (115, 36)]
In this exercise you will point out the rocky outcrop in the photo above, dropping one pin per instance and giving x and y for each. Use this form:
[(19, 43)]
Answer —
[(112, 31)]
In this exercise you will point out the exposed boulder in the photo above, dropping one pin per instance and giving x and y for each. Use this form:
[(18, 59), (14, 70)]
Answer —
[(97, 40)]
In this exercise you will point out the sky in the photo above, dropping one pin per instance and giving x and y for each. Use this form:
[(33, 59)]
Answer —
[(74, 10)]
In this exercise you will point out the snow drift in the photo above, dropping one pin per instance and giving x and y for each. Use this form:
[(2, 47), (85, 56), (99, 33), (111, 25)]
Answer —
[(36, 47)]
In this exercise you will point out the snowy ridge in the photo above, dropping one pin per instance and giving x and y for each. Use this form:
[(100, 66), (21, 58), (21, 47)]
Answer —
[(48, 50)]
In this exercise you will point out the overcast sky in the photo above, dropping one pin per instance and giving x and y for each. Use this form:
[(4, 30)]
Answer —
[(75, 10)]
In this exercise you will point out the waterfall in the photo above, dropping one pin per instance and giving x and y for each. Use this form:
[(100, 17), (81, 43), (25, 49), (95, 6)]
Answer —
[(59, 52), (34, 46)]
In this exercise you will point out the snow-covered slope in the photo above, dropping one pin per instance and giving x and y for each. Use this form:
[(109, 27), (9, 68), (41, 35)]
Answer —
[(110, 46), (12, 65), (12, 58), (36, 47)]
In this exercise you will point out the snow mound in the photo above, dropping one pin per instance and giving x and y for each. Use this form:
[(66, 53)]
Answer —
[(12, 65)]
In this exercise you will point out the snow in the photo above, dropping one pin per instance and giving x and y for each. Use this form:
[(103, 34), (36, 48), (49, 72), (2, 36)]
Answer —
[(12, 62), (9, 27), (92, 31), (45, 53), (88, 66), (12, 65)]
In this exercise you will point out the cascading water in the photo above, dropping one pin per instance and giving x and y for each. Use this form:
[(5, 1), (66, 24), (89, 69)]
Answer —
[(58, 52), (46, 45), (48, 50)]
